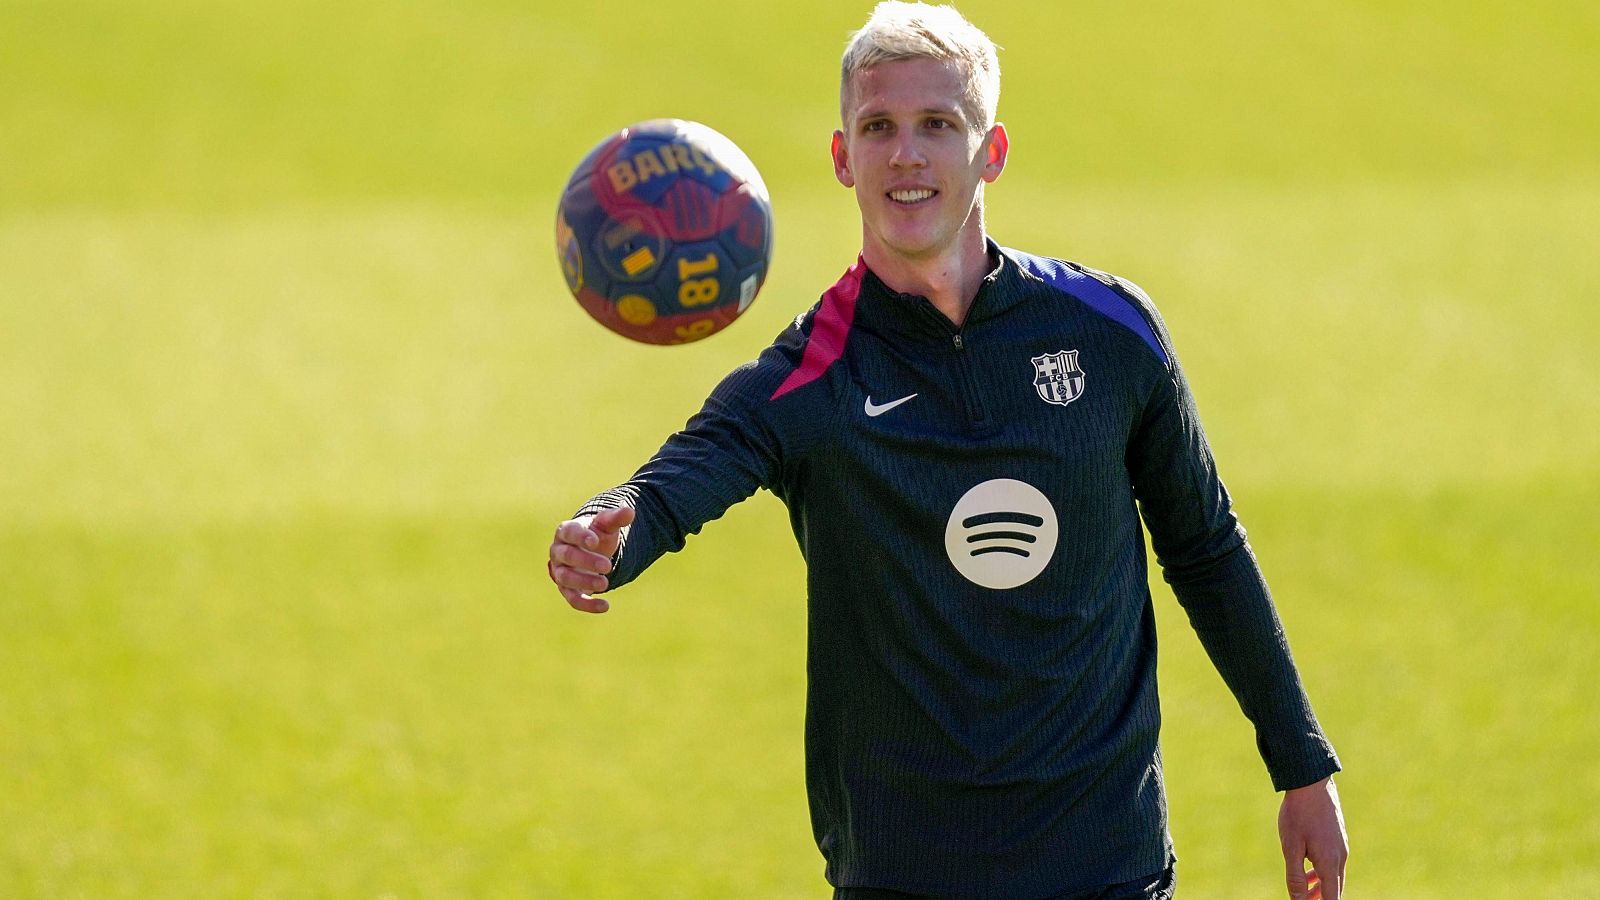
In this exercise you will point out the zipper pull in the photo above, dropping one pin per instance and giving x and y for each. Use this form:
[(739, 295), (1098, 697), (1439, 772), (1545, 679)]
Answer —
[(960, 344)]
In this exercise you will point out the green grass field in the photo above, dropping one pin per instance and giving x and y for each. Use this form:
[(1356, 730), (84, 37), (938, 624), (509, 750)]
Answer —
[(291, 396)]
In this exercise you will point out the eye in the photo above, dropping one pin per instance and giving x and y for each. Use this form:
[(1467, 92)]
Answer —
[(940, 123), (875, 125)]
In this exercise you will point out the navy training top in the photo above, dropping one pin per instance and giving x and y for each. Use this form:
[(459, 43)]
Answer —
[(982, 717)]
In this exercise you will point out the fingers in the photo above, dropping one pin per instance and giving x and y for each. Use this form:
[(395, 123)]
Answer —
[(608, 525), (1298, 881), (1304, 885), (1331, 861), (580, 576), (601, 532), (611, 521), (578, 579), (577, 533), (583, 602), (565, 576), (573, 556)]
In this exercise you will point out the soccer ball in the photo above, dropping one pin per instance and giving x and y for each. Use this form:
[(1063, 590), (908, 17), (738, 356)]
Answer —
[(665, 232)]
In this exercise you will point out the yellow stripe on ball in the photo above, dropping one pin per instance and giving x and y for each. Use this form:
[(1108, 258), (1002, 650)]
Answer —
[(638, 261)]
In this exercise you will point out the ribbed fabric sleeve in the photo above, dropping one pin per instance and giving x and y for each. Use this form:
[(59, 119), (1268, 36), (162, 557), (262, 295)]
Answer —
[(725, 452), (1228, 605), (1204, 557)]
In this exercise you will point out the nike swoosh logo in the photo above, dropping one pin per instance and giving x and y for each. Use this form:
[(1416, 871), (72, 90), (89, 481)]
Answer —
[(874, 409)]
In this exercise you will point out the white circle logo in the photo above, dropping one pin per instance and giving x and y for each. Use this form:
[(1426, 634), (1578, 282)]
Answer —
[(1001, 534)]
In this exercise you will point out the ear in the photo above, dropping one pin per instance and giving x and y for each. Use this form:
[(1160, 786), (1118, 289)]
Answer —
[(841, 161), (999, 146)]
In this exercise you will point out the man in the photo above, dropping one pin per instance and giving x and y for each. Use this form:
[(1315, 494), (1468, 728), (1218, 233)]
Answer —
[(966, 436)]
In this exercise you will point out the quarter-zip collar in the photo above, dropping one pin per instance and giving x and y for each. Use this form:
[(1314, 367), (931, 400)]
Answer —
[(914, 318)]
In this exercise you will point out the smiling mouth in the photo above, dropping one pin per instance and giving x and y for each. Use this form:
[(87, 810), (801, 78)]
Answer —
[(911, 198)]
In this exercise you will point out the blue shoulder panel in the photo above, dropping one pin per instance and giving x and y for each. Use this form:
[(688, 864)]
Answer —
[(1093, 292)]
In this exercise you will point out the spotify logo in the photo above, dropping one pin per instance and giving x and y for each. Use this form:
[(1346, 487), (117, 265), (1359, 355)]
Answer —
[(1001, 534)]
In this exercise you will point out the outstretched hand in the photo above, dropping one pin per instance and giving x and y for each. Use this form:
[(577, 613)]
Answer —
[(580, 557), (1311, 827)]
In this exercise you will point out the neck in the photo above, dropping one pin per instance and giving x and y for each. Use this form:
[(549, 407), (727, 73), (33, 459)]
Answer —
[(950, 280)]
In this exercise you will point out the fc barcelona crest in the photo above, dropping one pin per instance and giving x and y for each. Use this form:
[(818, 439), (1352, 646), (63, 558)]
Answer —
[(1057, 378)]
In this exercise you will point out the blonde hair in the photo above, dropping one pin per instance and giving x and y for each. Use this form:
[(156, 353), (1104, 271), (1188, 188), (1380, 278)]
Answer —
[(897, 31)]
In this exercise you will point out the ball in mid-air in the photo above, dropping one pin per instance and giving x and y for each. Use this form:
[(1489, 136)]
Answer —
[(665, 232)]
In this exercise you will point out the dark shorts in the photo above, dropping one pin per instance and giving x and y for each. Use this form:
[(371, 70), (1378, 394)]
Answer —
[(1159, 886)]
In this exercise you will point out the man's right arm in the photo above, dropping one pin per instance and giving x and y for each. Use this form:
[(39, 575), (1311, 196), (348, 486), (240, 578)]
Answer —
[(719, 458), (739, 441)]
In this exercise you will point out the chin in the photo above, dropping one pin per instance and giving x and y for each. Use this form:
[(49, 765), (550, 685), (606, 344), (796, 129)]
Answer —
[(918, 246), (907, 242)]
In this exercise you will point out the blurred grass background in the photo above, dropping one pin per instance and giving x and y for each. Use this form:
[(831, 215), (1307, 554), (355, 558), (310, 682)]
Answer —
[(291, 394)]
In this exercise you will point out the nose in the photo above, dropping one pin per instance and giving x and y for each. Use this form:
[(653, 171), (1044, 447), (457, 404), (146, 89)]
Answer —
[(907, 153)]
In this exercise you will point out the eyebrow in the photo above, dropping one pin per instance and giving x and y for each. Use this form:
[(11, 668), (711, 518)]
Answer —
[(953, 111)]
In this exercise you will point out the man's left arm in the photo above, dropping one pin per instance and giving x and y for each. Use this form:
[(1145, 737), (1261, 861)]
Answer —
[(1214, 574)]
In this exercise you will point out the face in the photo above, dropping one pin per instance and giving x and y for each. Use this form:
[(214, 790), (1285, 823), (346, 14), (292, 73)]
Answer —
[(910, 151)]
